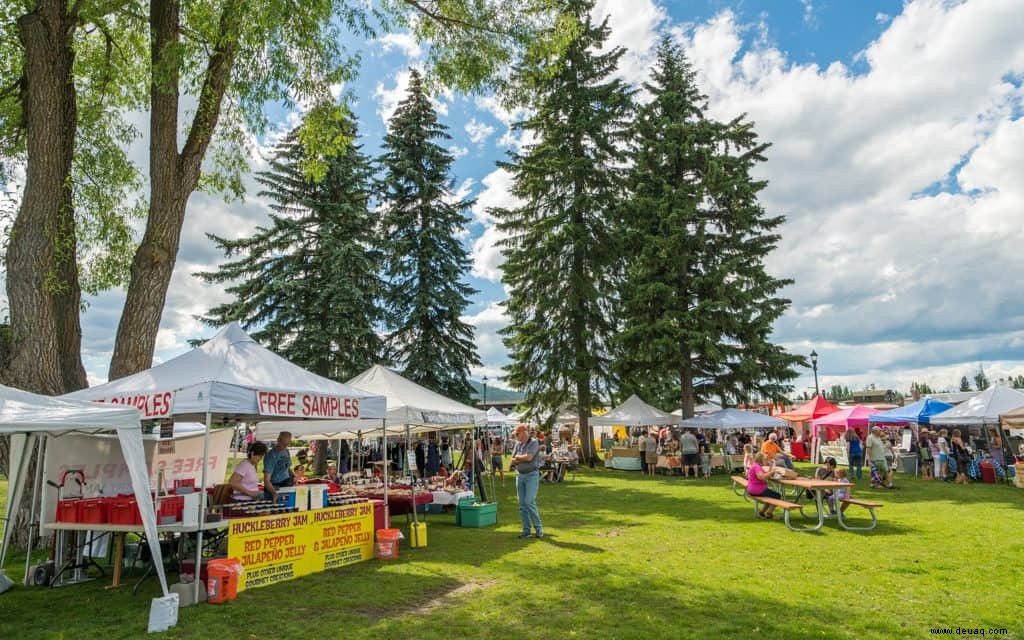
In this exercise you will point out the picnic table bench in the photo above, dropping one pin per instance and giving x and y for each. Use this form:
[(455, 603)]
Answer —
[(870, 506), (808, 487)]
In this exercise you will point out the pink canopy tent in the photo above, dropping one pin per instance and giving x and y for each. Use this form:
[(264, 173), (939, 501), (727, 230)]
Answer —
[(837, 422)]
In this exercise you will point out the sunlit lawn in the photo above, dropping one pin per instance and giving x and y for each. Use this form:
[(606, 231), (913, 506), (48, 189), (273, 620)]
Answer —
[(625, 557)]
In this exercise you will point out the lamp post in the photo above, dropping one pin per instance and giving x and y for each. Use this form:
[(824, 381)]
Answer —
[(485, 392), (814, 366)]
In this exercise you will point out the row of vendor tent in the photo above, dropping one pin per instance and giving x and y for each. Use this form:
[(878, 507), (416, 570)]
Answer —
[(634, 412), (408, 405), (230, 377), (28, 417)]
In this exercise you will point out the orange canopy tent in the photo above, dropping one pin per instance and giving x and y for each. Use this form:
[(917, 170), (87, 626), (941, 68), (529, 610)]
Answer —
[(816, 408)]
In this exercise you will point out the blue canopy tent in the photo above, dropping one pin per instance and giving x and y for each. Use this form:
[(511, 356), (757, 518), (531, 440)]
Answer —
[(919, 412)]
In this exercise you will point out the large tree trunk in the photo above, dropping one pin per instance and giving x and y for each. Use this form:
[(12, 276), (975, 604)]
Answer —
[(42, 276), (686, 400), (173, 177)]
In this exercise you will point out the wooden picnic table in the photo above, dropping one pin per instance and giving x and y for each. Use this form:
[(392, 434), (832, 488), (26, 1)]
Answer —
[(819, 487)]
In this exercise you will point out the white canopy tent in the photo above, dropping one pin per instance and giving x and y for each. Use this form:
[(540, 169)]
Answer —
[(28, 417), (409, 404), (982, 409), (634, 412), (733, 419), (701, 409), (496, 417), (232, 376)]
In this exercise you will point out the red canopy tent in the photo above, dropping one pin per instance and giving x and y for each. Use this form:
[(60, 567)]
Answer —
[(816, 408)]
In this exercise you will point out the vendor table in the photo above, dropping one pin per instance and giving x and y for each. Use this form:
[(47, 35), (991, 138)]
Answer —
[(450, 498), (119, 531), (623, 458), (838, 452), (400, 503)]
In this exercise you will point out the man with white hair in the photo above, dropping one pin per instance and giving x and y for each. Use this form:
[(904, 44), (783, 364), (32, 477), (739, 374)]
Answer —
[(526, 460)]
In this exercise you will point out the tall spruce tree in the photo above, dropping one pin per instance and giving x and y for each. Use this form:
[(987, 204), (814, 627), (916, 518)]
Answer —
[(425, 262), (697, 305), (561, 252), (309, 281)]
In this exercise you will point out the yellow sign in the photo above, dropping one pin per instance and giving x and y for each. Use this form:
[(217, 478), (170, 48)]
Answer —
[(276, 548)]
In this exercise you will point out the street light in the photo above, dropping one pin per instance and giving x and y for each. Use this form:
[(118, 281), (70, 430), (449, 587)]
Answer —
[(485, 392), (814, 366)]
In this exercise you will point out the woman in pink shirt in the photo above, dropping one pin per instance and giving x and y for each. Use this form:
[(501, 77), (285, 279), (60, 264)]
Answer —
[(245, 481), (757, 483)]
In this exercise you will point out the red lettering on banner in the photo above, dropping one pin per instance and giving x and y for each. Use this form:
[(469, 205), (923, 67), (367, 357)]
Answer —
[(157, 405), (276, 403)]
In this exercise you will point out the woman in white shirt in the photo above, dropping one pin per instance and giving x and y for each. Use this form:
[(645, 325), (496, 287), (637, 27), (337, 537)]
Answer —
[(245, 481)]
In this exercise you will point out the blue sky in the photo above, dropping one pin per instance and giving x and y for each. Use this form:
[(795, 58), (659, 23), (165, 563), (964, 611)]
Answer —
[(897, 147)]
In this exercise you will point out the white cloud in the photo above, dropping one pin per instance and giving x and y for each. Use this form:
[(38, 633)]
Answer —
[(403, 42), (478, 131), (388, 99), (485, 253), (487, 323), (458, 152), (634, 26)]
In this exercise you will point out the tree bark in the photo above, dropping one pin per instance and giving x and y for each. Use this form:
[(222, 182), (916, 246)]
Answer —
[(686, 401), (42, 276), (42, 273), (173, 177)]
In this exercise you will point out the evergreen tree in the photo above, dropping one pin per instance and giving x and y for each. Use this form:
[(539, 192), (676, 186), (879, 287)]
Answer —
[(965, 385), (561, 250), (981, 381), (308, 282), (697, 304), (425, 263)]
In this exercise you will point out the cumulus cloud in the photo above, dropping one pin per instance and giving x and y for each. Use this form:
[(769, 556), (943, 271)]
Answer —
[(900, 185), (478, 131), (487, 323), (402, 42)]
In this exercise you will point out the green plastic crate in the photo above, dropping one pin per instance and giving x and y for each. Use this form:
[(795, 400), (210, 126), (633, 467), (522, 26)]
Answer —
[(482, 516)]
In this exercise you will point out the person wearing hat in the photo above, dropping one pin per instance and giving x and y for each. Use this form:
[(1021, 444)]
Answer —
[(876, 456)]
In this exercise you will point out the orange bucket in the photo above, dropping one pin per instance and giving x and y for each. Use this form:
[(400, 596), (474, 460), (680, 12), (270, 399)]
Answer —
[(387, 543), (222, 579)]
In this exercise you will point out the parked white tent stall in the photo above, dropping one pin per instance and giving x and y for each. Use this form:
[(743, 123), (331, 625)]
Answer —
[(411, 408), (724, 419), (634, 412), (32, 420), (233, 377)]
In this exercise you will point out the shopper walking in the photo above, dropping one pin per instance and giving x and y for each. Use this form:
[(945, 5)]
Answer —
[(855, 454)]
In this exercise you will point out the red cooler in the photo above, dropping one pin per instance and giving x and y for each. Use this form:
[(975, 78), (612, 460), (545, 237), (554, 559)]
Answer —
[(988, 471), (381, 516)]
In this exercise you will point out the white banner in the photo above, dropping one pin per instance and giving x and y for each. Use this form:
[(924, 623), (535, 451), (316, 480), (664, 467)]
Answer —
[(151, 406), (294, 404), (100, 459)]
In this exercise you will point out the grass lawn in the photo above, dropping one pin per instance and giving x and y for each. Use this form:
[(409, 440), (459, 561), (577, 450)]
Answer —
[(625, 557)]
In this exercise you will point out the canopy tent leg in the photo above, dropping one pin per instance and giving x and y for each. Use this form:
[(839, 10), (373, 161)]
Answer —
[(202, 511), (384, 440), (36, 513)]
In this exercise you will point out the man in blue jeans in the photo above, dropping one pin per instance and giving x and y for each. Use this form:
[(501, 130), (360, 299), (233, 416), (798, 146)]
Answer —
[(526, 460)]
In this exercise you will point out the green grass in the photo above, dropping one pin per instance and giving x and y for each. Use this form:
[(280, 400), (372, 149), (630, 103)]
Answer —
[(625, 557)]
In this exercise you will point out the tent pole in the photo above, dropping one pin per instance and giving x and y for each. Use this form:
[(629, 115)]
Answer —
[(202, 511), (387, 463), (412, 489), (36, 490)]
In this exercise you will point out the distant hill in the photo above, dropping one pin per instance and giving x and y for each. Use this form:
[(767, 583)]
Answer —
[(494, 394)]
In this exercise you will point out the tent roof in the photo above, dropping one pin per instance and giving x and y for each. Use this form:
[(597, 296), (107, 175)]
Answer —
[(634, 412), (408, 404), (701, 409), (984, 408), (919, 412), (494, 416), (22, 412), (816, 408), (734, 419), (856, 416), (233, 375)]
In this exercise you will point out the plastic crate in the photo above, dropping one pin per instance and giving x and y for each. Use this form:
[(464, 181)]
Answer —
[(485, 515), (124, 510), (92, 511), (67, 510)]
